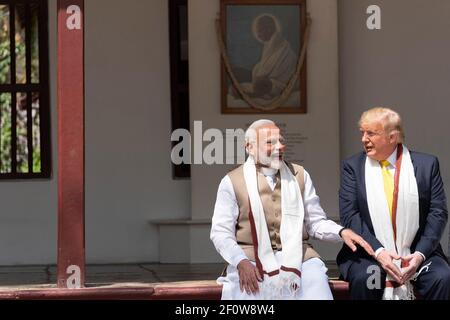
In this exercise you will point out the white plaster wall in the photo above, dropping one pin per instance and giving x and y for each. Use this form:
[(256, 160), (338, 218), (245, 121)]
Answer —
[(128, 169)]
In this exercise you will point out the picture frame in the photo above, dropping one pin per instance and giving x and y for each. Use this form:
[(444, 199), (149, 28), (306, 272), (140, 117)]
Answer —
[(263, 56)]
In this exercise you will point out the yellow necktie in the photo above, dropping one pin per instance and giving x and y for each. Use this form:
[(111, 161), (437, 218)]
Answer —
[(388, 184)]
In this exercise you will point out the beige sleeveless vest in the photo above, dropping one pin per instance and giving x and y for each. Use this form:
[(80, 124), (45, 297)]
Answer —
[(271, 201)]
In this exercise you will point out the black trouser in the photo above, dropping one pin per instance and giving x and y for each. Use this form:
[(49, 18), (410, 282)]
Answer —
[(433, 282)]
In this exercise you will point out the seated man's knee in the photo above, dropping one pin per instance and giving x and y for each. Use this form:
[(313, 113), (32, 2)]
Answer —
[(442, 280), (315, 281), (367, 284), (370, 277), (436, 286), (446, 278), (315, 272)]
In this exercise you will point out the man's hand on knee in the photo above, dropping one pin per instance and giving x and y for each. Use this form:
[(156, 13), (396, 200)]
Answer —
[(249, 277), (352, 239)]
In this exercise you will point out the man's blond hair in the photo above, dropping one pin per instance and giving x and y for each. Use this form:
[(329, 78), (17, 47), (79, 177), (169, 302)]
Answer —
[(391, 121)]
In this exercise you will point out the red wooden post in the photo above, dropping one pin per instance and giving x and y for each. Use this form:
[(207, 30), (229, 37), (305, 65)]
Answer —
[(71, 248)]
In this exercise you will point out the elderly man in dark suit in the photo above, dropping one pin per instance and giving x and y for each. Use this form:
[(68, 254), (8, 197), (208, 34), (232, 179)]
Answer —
[(394, 198)]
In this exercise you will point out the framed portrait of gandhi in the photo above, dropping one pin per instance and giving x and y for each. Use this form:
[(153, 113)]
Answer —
[(263, 56)]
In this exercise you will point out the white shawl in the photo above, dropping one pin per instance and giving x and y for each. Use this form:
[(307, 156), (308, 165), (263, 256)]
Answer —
[(407, 217), (280, 282)]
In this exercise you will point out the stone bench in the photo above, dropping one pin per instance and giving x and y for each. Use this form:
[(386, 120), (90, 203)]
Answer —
[(185, 290)]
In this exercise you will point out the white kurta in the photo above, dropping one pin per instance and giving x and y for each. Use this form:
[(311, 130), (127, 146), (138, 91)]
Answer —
[(313, 283), (223, 235)]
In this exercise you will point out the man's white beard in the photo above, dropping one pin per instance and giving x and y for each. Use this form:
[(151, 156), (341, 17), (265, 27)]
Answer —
[(273, 161)]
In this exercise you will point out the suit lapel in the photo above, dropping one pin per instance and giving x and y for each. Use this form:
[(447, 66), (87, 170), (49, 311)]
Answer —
[(420, 187), (364, 210), (414, 163)]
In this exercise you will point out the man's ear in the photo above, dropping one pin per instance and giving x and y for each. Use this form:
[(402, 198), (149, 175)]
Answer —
[(393, 136), (249, 148), (390, 135)]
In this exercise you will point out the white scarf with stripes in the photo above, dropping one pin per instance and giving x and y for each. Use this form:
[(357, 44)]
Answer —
[(407, 217), (285, 280)]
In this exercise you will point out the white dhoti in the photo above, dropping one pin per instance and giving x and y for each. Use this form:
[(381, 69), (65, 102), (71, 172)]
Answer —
[(314, 283)]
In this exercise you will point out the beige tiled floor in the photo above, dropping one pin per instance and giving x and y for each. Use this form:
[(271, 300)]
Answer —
[(117, 273)]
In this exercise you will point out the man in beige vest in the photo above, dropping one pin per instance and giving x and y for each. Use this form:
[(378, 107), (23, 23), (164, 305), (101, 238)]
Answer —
[(264, 212)]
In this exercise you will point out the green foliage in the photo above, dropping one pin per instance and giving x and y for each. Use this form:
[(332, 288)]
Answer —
[(5, 99)]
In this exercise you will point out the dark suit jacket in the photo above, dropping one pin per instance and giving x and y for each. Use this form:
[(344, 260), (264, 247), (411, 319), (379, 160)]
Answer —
[(354, 211)]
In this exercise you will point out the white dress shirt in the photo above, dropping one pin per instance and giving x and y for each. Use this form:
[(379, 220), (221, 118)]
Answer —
[(226, 212), (392, 159)]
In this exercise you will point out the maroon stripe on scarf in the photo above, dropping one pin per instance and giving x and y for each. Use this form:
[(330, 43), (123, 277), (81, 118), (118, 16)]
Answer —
[(255, 239), (296, 271), (392, 284), (404, 264), (273, 273), (398, 166)]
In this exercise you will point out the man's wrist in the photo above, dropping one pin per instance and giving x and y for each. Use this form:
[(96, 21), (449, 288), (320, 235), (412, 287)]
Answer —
[(421, 255), (238, 259), (378, 251), (245, 259), (340, 232)]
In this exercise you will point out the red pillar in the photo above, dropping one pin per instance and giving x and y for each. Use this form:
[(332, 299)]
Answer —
[(71, 248)]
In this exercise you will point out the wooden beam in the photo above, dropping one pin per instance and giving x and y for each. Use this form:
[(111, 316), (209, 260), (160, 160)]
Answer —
[(71, 243)]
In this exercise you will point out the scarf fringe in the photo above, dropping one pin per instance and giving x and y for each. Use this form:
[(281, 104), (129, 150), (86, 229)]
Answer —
[(283, 286), (404, 292)]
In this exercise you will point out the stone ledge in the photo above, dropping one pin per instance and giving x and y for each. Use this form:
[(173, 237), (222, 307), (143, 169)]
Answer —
[(178, 222), (184, 290)]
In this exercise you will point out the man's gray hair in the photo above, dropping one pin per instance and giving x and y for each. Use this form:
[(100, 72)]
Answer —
[(250, 133), (390, 120)]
